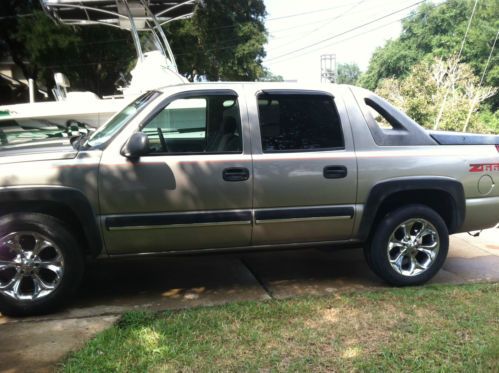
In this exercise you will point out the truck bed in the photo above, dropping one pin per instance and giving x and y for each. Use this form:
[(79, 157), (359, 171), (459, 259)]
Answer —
[(461, 138)]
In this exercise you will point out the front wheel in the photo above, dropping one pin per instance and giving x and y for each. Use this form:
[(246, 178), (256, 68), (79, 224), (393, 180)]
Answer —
[(41, 264), (409, 246)]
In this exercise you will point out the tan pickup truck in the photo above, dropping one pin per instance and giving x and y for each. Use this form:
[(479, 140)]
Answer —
[(234, 166)]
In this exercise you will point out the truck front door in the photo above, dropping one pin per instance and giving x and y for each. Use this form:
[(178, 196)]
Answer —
[(193, 190)]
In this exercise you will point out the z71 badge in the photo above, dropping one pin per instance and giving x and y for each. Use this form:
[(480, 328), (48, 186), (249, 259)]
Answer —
[(484, 167)]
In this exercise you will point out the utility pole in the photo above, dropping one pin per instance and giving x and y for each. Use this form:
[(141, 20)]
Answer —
[(329, 71)]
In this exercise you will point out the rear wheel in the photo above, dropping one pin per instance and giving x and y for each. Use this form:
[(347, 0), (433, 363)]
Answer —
[(409, 246), (41, 264)]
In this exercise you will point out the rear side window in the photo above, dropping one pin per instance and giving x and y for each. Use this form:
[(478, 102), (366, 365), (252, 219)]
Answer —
[(374, 113), (299, 122)]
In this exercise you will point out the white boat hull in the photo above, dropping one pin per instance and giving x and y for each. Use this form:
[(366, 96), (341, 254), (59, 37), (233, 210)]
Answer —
[(93, 113)]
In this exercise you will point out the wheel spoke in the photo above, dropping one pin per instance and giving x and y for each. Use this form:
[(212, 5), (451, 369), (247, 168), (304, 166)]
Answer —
[(52, 267), (410, 228), (8, 285), (399, 262), (400, 255), (40, 285), (431, 246), (17, 285), (429, 253), (37, 286), (395, 244), (413, 266), (405, 231), (6, 264), (14, 244), (12, 287), (40, 245), (411, 269), (424, 231), (421, 266)]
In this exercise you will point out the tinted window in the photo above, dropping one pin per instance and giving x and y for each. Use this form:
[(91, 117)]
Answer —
[(209, 124), (293, 122)]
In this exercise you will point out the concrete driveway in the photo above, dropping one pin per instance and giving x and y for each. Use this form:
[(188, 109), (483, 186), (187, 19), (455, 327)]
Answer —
[(36, 344)]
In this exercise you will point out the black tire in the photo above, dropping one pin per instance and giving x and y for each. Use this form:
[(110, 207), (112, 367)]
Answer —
[(376, 252), (73, 263)]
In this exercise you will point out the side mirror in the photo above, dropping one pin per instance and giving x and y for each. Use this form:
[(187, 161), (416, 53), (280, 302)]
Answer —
[(136, 146)]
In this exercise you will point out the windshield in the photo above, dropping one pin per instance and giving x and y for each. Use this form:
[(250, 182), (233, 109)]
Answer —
[(104, 133)]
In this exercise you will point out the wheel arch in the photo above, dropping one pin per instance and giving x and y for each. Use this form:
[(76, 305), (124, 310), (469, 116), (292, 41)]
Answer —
[(68, 204), (444, 195)]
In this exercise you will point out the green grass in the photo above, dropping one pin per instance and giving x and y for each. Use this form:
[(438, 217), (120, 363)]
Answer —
[(429, 329)]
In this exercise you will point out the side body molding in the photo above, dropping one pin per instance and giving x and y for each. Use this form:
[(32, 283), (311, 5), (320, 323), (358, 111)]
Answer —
[(384, 189), (69, 198)]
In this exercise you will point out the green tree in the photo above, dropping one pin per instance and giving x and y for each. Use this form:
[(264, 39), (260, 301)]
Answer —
[(392, 60), (420, 94), (224, 40), (11, 14), (348, 73), (268, 76), (437, 30), (92, 56)]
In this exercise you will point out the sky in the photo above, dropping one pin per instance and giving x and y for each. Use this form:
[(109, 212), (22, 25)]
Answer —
[(295, 24)]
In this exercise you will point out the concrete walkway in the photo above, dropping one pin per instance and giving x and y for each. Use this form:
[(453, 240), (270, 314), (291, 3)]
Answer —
[(37, 344)]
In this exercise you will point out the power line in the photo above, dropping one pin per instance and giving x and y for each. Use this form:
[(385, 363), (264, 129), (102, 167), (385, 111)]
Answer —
[(307, 13), (345, 39), (316, 21), (444, 100), (354, 36), (328, 20), (234, 25), (473, 102), (344, 32), (467, 30), (236, 39), (323, 24), (488, 59)]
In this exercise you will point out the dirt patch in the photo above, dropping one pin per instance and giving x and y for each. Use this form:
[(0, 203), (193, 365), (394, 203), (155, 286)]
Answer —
[(38, 346)]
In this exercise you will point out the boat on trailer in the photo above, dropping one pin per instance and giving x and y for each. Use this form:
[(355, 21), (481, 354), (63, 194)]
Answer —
[(74, 111)]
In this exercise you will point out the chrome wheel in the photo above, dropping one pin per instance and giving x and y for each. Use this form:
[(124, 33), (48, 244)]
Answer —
[(31, 265), (413, 247)]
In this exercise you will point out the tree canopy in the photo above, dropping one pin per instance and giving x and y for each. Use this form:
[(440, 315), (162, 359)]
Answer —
[(421, 94), (269, 76), (348, 73), (224, 40), (437, 30), (425, 72)]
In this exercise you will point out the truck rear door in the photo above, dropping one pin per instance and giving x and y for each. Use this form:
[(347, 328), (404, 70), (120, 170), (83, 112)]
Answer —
[(305, 170)]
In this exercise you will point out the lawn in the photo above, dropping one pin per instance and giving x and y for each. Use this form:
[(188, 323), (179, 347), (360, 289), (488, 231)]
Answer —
[(429, 329)]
